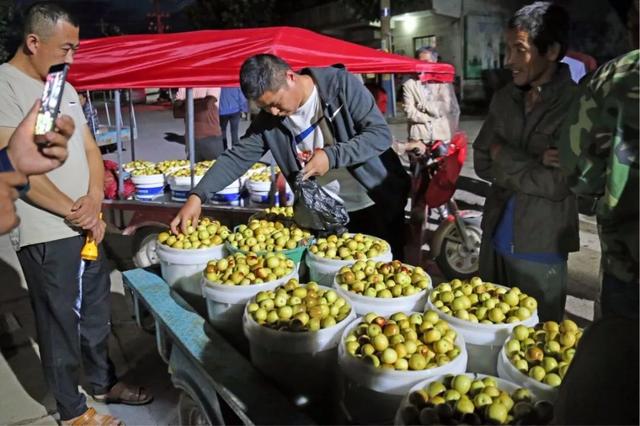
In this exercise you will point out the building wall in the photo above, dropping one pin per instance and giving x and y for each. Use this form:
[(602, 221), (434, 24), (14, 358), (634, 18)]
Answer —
[(449, 32)]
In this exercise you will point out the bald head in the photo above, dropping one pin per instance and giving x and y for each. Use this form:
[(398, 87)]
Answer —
[(41, 19)]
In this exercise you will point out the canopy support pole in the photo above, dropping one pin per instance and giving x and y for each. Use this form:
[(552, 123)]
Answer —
[(106, 107), (132, 121), (190, 134), (118, 117)]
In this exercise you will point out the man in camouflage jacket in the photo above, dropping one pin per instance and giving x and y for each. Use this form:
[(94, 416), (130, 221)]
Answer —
[(602, 161)]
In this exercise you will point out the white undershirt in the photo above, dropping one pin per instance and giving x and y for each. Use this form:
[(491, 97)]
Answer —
[(338, 182)]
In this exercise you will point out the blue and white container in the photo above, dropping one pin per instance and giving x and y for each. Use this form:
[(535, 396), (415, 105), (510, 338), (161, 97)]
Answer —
[(149, 187), (230, 195), (259, 192), (181, 186)]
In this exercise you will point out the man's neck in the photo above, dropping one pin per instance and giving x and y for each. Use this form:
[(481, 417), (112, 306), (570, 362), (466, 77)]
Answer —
[(307, 88), (546, 76), (22, 62)]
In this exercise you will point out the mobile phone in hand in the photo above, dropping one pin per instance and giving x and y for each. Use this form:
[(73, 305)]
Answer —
[(51, 100)]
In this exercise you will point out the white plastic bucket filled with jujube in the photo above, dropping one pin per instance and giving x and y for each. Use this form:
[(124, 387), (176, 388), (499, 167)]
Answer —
[(409, 411), (370, 394), (323, 269), (182, 268), (508, 371), (483, 341), (384, 302), (302, 363), (226, 301), (230, 195), (181, 186), (148, 187)]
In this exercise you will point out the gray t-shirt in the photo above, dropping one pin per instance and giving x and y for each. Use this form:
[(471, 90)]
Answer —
[(18, 92)]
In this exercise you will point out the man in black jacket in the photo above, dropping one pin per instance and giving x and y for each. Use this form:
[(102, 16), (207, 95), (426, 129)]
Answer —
[(323, 123), (530, 219)]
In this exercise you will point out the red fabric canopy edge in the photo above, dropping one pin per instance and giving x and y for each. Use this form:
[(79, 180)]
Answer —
[(212, 58)]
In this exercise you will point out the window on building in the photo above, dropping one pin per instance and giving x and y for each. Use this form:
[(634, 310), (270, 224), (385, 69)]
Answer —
[(424, 41)]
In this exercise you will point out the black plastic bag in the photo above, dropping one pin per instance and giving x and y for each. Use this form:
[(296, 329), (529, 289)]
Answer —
[(316, 210)]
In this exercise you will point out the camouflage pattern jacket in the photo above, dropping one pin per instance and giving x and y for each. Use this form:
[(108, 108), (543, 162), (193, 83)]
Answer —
[(546, 212), (602, 158)]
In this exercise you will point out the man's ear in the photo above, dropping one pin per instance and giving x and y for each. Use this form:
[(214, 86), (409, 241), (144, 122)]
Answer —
[(553, 52), (31, 44)]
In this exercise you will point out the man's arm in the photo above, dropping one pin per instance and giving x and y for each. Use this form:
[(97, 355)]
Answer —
[(46, 195), (414, 115), (583, 157), (85, 210), (487, 136), (515, 169), (232, 163), (373, 135), (42, 192)]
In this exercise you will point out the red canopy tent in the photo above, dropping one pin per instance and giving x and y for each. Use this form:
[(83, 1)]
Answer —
[(212, 58)]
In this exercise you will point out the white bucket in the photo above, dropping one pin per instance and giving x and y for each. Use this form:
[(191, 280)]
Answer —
[(229, 195), (484, 341), (148, 187), (259, 192), (508, 371), (302, 363), (385, 307), (323, 271), (226, 303), (502, 384), (372, 395), (182, 269), (181, 186)]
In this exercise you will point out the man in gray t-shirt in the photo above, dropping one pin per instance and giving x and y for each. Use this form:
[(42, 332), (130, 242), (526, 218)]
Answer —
[(71, 303)]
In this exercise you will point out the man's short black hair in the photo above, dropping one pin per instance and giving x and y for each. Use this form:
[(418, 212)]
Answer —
[(262, 73), (546, 23), (41, 17)]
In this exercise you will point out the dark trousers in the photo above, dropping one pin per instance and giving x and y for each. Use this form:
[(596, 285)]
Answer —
[(73, 314), (619, 298), (544, 282), (209, 148), (234, 119), (369, 221)]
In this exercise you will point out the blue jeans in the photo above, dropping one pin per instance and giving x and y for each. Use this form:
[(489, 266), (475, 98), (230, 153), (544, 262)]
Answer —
[(618, 297)]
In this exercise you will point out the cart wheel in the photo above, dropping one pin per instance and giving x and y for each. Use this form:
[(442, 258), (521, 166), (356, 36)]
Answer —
[(144, 257), (190, 412), (454, 260)]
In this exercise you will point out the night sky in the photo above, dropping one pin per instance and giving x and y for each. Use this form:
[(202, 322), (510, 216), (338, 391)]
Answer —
[(98, 17)]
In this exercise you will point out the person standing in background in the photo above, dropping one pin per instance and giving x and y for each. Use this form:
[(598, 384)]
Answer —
[(232, 105), (206, 122), (432, 108)]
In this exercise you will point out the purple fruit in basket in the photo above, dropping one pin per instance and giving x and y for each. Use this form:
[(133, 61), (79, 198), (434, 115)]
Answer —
[(410, 415), (544, 412), (522, 409), (445, 412), (429, 416), (472, 419)]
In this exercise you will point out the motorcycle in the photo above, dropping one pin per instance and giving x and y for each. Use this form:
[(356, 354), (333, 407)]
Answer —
[(455, 242)]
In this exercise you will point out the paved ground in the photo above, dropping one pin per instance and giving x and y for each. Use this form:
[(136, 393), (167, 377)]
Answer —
[(23, 395)]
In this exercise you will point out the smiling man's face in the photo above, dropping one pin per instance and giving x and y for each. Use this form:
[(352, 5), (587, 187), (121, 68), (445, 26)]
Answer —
[(528, 67)]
